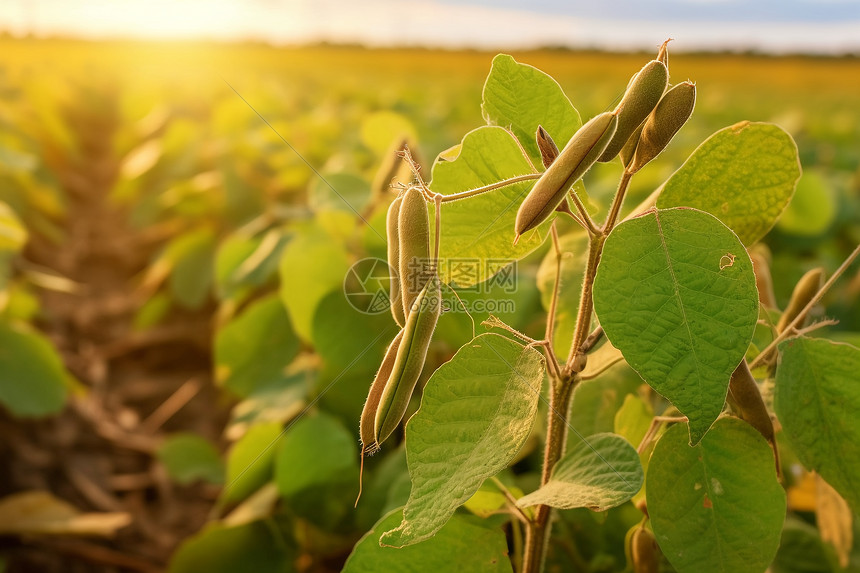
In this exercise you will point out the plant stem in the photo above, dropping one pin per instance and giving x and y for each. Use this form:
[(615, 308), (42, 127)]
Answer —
[(537, 532), (561, 388), (490, 187), (801, 316), (550, 319), (583, 213), (586, 302), (615, 209)]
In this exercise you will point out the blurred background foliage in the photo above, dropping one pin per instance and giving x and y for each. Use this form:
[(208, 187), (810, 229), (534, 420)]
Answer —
[(172, 269)]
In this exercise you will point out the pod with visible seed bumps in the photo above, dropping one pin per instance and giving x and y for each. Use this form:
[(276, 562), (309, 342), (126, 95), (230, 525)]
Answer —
[(413, 231), (548, 148), (395, 295), (367, 429), (575, 159), (408, 363), (745, 397), (673, 111), (641, 97), (805, 289)]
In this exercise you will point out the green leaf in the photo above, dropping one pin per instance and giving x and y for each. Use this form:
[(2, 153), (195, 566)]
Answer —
[(817, 400), (600, 472), (314, 450), (744, 174), (339, 191), (521, 97), (249, 462), (247, 261), (220, 549), (316, 470), (801, 550), (633, 419), (476, 413), (334, 318), (716, 507), (812, 209), (312, 265), (13, 235), (192, 257), (675, 292), (381, 129), (33, 381), (189, 457), (254, 349), (465, 543), (478, 233)]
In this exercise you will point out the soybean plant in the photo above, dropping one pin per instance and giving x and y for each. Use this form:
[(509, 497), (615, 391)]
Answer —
[(668, 288)]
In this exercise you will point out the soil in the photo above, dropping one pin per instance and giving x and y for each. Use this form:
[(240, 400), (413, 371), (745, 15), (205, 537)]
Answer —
[(99, 453)]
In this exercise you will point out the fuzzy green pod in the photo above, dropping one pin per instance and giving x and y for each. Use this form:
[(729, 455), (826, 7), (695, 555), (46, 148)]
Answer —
[(575, 159), (408, 363), (367, 425), (745, 397), (670, 115), (413, 231), (548, 148), (805, 289), (641, 97), (629, 149), (395, 296)]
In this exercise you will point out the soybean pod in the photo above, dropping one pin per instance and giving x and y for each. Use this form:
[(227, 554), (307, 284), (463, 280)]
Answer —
[(413, 230), (395, 295), (409, 362), (641, 97), (575, 159)]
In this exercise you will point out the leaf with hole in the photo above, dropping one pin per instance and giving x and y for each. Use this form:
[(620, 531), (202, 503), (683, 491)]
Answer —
[(675, 292)]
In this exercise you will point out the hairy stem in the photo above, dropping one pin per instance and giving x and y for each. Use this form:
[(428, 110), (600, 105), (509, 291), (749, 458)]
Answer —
[(615, 209), (801, 316), (490, 187), (586, 302), (537, 532), (583, 213)]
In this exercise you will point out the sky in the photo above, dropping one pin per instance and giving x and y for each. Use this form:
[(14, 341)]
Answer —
[(778, 26)]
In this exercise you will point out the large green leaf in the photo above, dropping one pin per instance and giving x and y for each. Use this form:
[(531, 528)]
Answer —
[(475, 415), (316, 470), (316, 449), (675, 292), (192, 260), (465, 543), (33, 381), (817, 399), (312, 265), (744, 174), (249, 462), (334, 318), (521, 97), (254, 349), (598, 472), (716, 507), (813, 209), (478, 233), (219, 549), (189, 457)]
